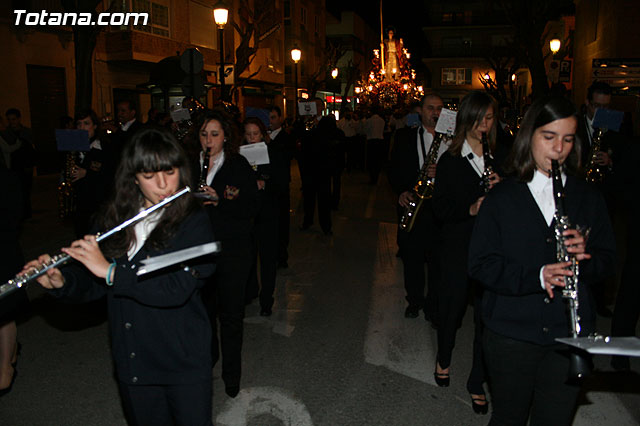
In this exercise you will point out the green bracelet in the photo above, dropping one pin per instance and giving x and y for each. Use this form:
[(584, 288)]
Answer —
[(111, 266)]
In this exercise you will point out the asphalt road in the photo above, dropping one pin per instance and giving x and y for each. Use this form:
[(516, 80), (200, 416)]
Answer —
[(337, 351)]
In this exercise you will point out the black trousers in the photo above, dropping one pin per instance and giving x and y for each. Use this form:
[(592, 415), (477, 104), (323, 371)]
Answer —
[(284, 222), (317, 186), (627, 309), (224, 299), (453, 297), (376, 154), (168, 405), (528, 380), (266, 256), (416, 246)]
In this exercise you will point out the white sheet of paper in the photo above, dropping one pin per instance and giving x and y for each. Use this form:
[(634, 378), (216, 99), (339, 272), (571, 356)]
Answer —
[(255, 153), (307, 108), (446, 122), (628, 346)]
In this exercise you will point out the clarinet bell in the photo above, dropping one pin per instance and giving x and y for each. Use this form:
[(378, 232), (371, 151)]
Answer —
[(580, 366)]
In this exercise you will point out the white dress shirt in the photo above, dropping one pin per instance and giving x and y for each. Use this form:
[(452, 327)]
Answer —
[(142, 230), (477, 162), (217, 163), (428, 140), (541, 187)]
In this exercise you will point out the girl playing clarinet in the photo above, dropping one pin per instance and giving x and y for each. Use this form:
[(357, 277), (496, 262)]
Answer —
[(513, 254)]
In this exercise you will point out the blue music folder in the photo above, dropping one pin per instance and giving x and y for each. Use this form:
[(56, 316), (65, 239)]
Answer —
[(72, 140), (609, 119)]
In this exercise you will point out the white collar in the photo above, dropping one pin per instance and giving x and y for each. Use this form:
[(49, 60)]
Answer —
[(128, 124), (540, 181), (466, 150)]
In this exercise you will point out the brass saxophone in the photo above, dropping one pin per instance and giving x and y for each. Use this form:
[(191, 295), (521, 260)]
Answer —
[(66, 195), (579, 366), (423, 189), (595, 172), (488, 163)]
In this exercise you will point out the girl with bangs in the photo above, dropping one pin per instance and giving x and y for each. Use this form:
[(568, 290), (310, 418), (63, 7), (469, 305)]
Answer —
[(160, 330)]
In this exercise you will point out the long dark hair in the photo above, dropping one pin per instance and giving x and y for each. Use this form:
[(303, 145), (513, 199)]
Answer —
[(472, 109), (542, 112), (150, 150), (231, 144)]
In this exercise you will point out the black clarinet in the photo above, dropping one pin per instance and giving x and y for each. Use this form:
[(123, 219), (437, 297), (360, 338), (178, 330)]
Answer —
[(488, 163), (579, 364)]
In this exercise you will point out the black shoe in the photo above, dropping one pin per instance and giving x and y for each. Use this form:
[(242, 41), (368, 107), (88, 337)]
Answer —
[(412, 311), (431, 319), (442, 379), (232, 391), (479, 408), (265, 312), (283, 264)]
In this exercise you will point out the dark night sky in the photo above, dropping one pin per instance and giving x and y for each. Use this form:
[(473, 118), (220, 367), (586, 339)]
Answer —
[(404, 15)]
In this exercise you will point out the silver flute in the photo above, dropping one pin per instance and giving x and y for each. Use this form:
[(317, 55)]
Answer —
[(22, 280)]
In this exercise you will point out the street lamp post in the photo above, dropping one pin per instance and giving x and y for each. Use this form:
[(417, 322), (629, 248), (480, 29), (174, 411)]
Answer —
[(334, 75), (296, 54), (220, 16)]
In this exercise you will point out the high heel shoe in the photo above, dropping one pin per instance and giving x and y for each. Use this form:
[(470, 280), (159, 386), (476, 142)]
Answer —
[(477, 407), (442, 379), (5, 391)]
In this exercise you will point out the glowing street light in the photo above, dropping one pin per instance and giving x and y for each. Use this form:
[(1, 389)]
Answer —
[(296, 54), (554, 45)]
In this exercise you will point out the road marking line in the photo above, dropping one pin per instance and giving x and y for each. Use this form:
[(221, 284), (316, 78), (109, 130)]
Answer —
[(406, 346), (252, 402)]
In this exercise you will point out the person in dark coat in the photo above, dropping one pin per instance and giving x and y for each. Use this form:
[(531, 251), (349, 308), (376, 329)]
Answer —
[(89, 176), (232, 193), (271, 180), (160, 331), (318, 166), (513, 254), (283, 142), (410, 151), (11, 261), (460, 190)]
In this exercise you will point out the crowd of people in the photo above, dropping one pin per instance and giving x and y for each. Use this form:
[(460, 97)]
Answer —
[(485, 231)]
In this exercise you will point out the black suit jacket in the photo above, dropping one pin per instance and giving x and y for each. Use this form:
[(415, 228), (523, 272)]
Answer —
[(403, 172), (235, 184), (285, 144), (458, 186), (511, 242), (160, 316)]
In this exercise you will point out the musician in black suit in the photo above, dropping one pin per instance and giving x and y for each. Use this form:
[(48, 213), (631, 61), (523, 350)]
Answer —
[(121, 134), (513, 254), (608, 159), (232, 206), (410, 149), (271, 179), (460, 190), (284, 143)]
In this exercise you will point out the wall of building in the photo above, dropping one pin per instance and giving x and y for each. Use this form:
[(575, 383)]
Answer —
[(606, 29)]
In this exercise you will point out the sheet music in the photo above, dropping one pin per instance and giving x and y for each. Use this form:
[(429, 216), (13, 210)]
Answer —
[(255, 153)]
